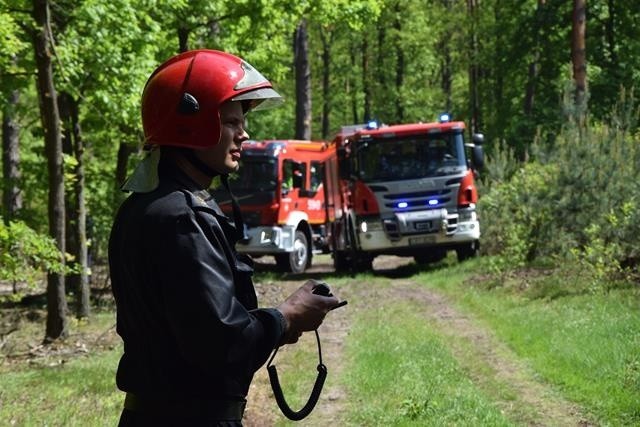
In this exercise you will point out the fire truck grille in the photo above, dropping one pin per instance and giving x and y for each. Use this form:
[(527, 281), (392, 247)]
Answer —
[(418, 194)]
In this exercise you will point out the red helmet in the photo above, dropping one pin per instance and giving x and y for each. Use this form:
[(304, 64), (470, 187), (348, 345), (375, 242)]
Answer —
[(182, 98)]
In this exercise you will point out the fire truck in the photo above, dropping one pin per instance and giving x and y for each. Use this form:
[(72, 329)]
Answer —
[(283, 192), (406, 190)]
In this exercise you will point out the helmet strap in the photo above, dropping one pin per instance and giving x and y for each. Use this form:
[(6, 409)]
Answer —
[(190, 155)]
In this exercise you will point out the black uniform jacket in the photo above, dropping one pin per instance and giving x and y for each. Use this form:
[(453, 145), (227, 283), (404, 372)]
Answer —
[(186, 305)]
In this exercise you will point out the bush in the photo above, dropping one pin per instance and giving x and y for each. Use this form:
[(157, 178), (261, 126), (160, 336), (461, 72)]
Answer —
[(576, 200), (25, 255)]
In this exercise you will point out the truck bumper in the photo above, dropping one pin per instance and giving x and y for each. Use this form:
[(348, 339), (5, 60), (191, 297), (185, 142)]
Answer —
[(268, 240), (378, 240)]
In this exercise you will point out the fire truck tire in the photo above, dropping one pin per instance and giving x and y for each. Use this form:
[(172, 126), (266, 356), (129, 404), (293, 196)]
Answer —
[(298, 260), (430, 256), (470, 250), (341, 261)]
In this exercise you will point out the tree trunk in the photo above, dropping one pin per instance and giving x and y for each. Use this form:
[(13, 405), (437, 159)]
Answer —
[(122, 160), (610, 28), (76, 208), (57, 326), (303, 82), (11, 194), (399, 65), (578, 51), (366, 87), (326, 37), (474, 68), (183, 39), (534, 65), (446, 63), (354, 97)]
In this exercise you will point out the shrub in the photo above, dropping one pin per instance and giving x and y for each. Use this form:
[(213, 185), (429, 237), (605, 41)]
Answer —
[(25, 255), (576, 200)]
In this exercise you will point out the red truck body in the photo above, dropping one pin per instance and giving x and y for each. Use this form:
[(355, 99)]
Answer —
[(287, 191)]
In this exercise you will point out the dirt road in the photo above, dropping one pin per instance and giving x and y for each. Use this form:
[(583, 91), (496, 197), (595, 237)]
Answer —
[(530, 402)]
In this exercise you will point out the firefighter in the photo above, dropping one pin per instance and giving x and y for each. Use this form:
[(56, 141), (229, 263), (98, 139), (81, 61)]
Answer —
[(186, 306)]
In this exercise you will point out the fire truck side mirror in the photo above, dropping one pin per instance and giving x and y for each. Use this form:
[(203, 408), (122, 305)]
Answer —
[(478, 138), (477, 151), (477, 155)]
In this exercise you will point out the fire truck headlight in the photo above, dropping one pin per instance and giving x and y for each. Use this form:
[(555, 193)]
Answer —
[(265, 237), (465, 216), (367, 226), (268, 236)]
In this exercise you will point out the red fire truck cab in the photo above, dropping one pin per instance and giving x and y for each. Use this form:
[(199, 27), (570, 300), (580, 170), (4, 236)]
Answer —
[(407, 190), (283, 189)]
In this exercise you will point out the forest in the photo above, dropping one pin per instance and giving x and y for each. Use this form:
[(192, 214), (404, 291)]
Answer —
[(549, 83)]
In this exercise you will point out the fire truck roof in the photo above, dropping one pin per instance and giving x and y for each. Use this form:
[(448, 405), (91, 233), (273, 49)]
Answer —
[(361, 131)]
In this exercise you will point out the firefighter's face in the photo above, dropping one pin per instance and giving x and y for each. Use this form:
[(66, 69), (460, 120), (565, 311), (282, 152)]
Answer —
[(224, 157)]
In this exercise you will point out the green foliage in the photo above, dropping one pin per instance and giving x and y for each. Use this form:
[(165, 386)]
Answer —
[(27, 255), (62, 389), (517, 216), (104, 51), (576, 200)]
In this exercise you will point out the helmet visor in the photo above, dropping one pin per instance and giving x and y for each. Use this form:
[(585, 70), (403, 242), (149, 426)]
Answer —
[(260, 99)]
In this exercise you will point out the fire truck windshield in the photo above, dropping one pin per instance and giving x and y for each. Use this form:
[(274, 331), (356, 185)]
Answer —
[(255, 174), (414, 157)]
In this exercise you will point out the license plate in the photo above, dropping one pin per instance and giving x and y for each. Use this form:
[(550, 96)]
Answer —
[(423, 225), (422, 240)]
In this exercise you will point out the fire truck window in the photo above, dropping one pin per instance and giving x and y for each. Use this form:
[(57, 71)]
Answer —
[(254, 175), (317, 171), (409, 158), (287, 175), (293, 175)]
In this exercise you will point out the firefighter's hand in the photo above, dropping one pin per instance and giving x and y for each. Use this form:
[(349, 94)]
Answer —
[(304, 311)]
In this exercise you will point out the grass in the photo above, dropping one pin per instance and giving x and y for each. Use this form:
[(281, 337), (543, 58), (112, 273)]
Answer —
[(400, 373), (586, 345), (80, 393), (60, 390)]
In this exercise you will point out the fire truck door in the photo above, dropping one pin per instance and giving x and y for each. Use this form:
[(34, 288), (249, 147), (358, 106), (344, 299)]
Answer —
[(316, 194)]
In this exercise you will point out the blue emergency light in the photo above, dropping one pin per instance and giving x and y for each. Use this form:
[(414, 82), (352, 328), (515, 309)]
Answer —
[(432, 202), (372, 125), (445, 118), (402, 205)]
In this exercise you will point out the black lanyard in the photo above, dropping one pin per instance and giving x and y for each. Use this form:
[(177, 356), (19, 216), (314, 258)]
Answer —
[(315, 393)]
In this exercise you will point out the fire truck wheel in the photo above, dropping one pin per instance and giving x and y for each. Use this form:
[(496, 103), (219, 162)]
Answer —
[(341, 262), (470, 250), (298, 260)]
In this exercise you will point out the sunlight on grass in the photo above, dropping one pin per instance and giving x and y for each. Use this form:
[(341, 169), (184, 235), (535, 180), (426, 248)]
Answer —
[(587, 345), (80, 393), (401, 374)]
